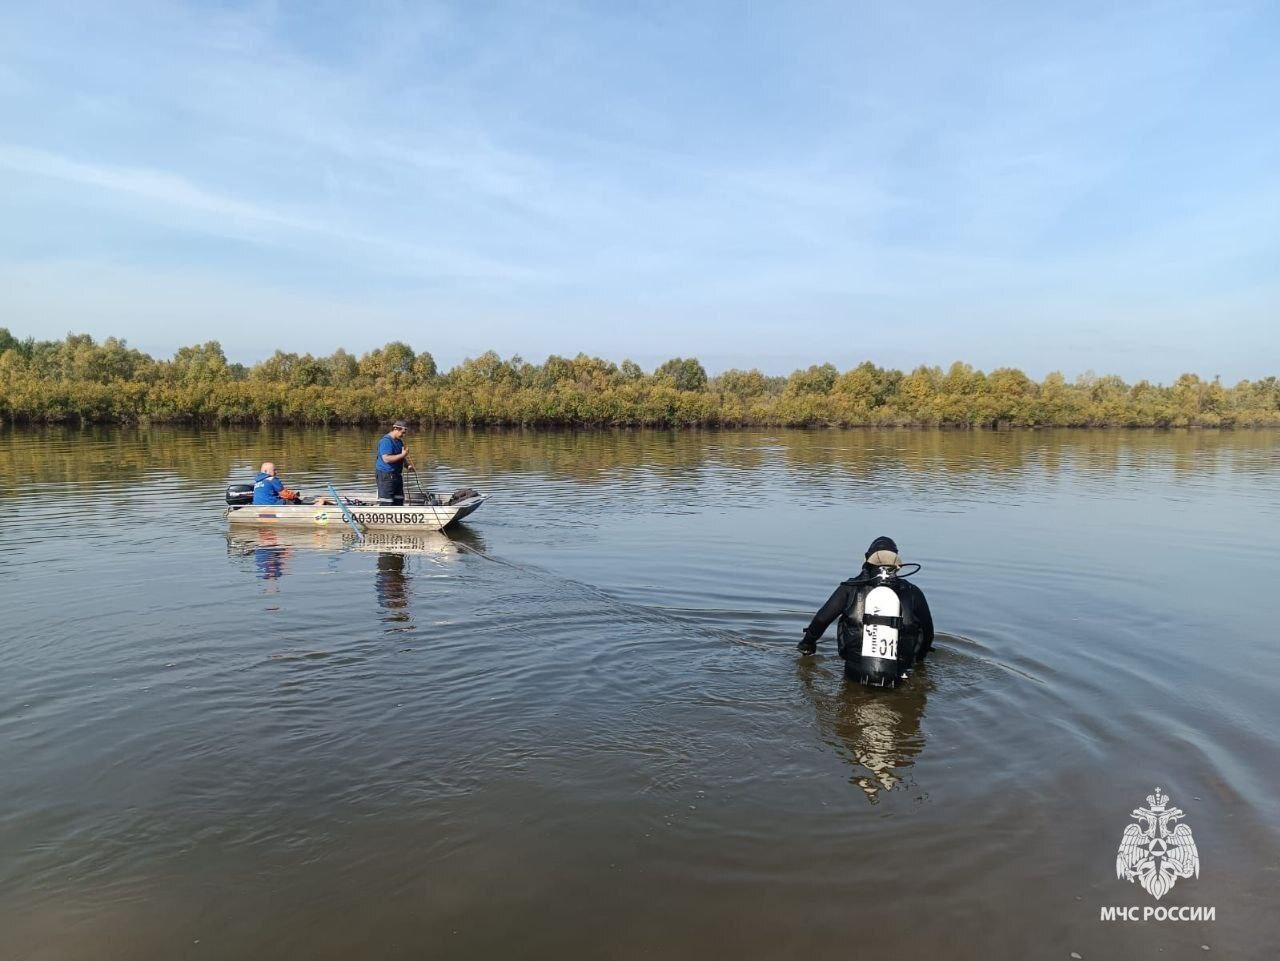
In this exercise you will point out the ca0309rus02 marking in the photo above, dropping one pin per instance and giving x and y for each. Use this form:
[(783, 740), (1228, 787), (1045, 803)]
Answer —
[(365, 517)]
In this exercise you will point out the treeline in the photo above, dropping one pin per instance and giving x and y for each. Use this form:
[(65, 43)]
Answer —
[(80, 380)]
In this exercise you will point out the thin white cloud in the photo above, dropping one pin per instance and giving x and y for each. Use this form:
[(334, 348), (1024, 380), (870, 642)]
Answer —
[(594, 177), (157, 186), (229, 216)]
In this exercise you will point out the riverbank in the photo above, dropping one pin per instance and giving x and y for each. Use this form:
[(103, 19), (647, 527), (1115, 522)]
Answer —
[(249, 403), (79, 381)]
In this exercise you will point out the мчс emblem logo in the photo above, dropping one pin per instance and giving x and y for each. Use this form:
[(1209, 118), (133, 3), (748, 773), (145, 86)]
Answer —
[(1156, 850)]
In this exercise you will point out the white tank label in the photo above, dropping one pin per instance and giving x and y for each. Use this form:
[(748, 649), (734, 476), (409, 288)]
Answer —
[(881, 640)]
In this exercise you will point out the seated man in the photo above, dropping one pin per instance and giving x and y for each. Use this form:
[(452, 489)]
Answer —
[(268, 489)]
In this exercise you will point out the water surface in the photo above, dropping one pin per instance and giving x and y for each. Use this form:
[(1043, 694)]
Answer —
[(578, 726)]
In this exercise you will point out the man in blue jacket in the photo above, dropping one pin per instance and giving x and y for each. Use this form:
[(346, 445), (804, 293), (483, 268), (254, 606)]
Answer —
[(389, 465), (267, 487)]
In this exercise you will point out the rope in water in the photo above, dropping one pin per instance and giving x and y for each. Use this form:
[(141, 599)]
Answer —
[(639, 611)]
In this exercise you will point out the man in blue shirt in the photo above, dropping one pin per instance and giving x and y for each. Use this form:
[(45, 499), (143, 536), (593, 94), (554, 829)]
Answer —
[(389, 465), (267, 487)]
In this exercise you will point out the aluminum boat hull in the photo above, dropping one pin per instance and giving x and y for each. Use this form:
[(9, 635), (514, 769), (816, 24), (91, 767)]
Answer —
[(370, 516)]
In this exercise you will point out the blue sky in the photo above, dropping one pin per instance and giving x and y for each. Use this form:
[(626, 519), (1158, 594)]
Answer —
[(1050, 186)]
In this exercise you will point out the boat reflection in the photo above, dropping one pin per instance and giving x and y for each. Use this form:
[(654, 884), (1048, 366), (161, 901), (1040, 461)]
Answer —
[(875, 730), (433, 544), (271, 560), (392, 585), (273, 550)]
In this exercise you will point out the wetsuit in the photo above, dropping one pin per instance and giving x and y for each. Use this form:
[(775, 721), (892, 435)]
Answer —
[(917, 619)]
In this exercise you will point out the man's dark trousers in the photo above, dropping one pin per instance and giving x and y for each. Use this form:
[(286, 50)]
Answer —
[(391, 488)]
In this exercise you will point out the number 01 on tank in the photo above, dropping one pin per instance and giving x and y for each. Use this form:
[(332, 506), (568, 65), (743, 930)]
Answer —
[(879, 639)]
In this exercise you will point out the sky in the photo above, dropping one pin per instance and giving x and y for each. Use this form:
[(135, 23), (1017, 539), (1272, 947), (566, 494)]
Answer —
[(1043, 185)]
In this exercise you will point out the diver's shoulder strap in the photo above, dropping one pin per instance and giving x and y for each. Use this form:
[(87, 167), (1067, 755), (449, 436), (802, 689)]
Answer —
[(856, 611), (884, 619), (907, 598)]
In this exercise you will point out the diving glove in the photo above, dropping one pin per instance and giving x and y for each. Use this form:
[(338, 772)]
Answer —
[(807, 646)]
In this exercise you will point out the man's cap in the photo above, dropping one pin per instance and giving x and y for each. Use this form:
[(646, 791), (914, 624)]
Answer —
[(399, 425), (883, 552)]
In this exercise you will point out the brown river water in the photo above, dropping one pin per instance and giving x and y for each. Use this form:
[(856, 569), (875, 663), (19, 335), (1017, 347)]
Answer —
[(578, 726)]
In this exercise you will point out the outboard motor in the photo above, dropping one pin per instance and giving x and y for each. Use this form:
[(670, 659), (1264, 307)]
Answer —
[(239, 494), (462, 494)]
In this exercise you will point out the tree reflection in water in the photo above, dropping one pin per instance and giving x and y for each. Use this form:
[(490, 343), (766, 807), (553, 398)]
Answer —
[(877, 731)]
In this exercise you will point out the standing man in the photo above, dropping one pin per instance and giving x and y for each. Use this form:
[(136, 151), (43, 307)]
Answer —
[(389, 465)]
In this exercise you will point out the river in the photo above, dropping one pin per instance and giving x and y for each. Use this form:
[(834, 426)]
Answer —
[(578, 727)]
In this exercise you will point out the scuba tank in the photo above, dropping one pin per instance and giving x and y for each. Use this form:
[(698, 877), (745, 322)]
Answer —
[(881, 648)]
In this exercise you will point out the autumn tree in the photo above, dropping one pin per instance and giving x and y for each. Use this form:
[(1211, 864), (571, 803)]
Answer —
[(682, 373)]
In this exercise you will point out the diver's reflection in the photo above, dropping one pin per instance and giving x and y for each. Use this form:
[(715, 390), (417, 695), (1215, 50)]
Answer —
[(392, 584), (876, 730)]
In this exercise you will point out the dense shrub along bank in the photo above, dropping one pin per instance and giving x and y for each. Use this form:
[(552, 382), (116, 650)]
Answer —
[(80, 380)]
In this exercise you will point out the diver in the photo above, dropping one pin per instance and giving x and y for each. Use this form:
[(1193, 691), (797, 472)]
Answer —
[(885, 627)]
